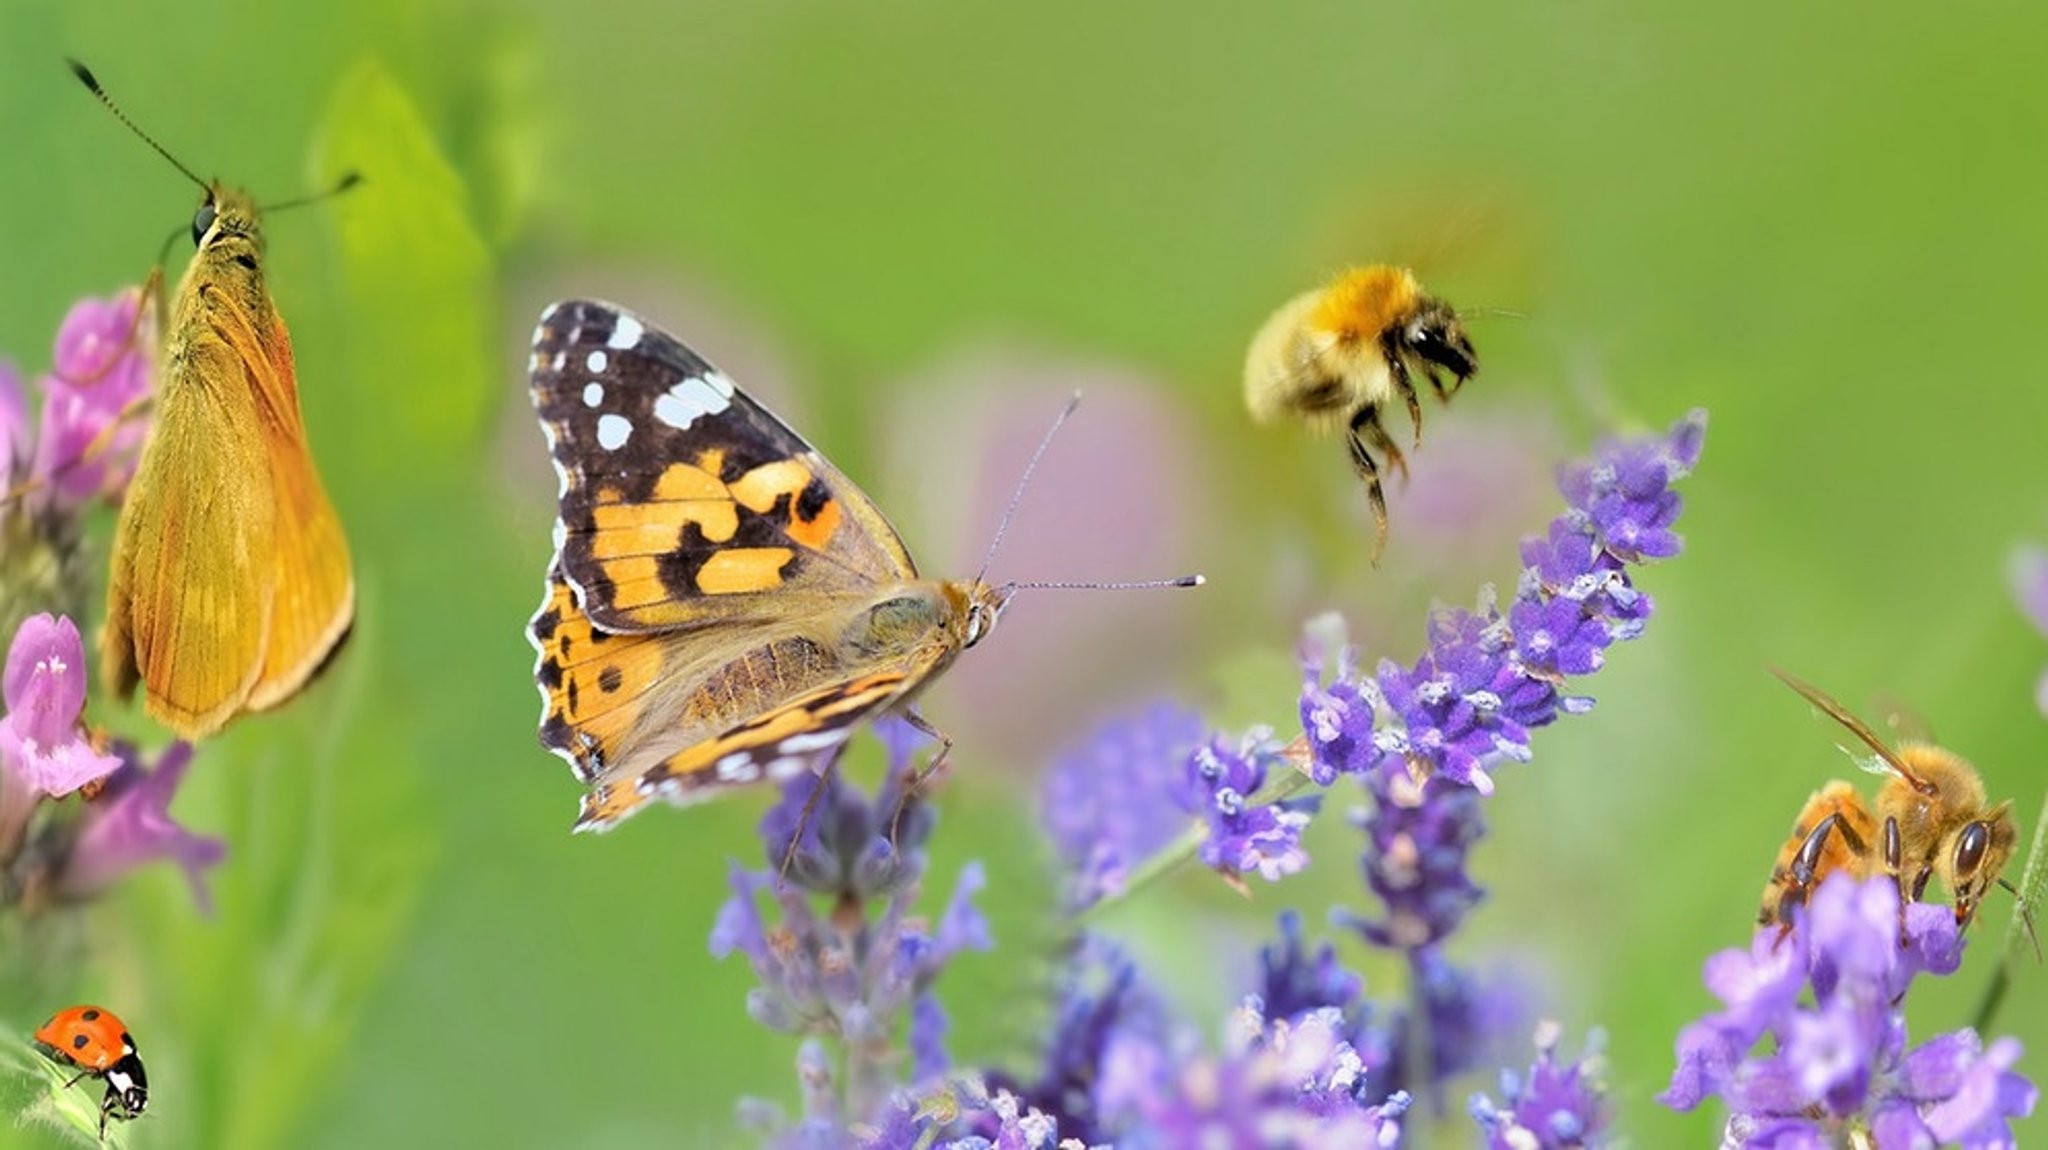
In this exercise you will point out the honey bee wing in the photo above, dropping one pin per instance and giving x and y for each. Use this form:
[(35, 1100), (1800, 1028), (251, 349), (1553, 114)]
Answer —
[(1889, 760)]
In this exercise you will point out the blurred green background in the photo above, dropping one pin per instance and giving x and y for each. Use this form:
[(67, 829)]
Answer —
[(913, 227)]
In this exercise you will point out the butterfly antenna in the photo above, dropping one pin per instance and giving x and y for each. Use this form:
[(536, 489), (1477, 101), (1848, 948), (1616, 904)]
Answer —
[(92, 84), (1126, 585), (346, 182), (1024, 481)]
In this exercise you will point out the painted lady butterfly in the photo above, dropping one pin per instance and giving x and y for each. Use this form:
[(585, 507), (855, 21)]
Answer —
[(723, 606)]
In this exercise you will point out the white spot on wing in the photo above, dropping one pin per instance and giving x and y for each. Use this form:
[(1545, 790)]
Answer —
[(788, 767), (720, 382), (812, 741), (548, 312), (686, 402), (593, 393), (626, 334), (613, 430), (737, 767), (596, 362), (557, 362)]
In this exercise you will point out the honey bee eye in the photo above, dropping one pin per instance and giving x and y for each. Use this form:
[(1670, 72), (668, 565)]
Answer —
[(1970, 847), (203, 222)]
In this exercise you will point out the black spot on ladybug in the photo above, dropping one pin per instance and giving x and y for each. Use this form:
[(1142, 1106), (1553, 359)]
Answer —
[(79, 1041), (91, 1016), (610, 679)]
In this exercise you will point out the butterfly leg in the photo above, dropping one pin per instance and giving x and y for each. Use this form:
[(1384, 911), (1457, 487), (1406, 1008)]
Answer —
[(913, 787), (803, 818), (1362, 462)]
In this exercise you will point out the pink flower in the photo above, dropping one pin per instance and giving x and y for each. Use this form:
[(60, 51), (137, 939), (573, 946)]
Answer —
[(130, 825), (84, 447), (40, 739), (14, 442)]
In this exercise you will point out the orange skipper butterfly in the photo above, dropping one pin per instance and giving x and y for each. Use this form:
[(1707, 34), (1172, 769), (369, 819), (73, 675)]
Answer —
[(230, 584)]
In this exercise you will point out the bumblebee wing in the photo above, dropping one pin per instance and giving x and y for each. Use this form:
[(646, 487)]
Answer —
[(186, 604), (313, 597), (1890, 762)]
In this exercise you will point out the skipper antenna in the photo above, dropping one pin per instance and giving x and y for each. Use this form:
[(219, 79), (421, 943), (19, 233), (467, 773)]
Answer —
[(92, 84), (347, 181)]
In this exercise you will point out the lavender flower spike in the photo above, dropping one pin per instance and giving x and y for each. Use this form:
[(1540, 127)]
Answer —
[(41, 743), (1830, 998), (1487, 678), (1219, 786), (1557, 1105)]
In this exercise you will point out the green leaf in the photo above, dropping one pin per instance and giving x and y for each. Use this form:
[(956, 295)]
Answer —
[(417, 276)]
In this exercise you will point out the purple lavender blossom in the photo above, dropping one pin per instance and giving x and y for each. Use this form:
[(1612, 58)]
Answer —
[(1470, 700), (101, 367), (41, 743), (1557, 1105), (1829, 995), (2030, 590), (130, 825), (1219, 783), (857, 971), (1102, 805)]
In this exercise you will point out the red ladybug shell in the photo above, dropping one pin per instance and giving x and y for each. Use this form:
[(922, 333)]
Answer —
[(89, 1037), (92, 1039)]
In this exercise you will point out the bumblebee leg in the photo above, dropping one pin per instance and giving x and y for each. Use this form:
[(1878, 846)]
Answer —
[(1361, 462), (1436, 381), (913, 787), (1397, 366), (1376, 437)]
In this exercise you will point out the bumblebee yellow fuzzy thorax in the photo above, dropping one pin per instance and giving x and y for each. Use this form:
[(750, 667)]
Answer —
[(1363, 302)]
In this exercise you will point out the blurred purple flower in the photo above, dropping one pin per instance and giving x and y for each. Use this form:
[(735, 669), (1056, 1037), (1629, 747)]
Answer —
[(101, 367), (1277, 1083), (1557, 1105), (14, 426), (41, 741), (1102, 802), (2029, 570), (1218, 786), (1418, 837), (863, 968), (1830, 996), (1103, 1004), (130, 825)]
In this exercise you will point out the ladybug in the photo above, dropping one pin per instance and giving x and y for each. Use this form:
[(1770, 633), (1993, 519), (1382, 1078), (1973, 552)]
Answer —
[(97, 1043)]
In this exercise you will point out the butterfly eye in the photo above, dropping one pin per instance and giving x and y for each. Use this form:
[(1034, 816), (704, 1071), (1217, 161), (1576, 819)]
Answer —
[(978, 620), (203, 222)]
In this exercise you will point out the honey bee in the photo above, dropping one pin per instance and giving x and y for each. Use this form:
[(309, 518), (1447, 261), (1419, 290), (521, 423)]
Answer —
[(1931, 821), (1335, 356)]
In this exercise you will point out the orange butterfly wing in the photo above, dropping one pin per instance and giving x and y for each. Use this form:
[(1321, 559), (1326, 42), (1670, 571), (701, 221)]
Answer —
[(230, 584)]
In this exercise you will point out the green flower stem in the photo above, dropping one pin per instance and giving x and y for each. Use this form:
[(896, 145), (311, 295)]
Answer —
[(1169, 858), (2020, 937)]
